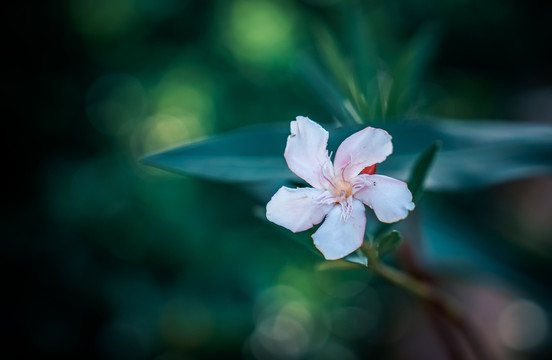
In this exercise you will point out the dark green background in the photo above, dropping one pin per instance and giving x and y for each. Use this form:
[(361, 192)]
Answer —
[(109, 259)]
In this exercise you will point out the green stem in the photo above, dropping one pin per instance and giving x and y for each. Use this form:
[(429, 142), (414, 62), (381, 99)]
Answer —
[(431, 296), (418, 288)]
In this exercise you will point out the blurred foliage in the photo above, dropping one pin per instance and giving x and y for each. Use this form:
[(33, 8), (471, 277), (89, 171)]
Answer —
[(110, 259)]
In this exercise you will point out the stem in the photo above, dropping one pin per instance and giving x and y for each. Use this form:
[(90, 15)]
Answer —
[(438, 301), (416, 287), (454, 347)]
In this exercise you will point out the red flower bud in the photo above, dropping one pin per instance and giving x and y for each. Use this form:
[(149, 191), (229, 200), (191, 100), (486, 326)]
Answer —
[(369, 170)]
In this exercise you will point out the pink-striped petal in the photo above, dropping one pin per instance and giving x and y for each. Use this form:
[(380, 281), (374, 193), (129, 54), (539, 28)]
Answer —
[(297, 209), (389, 198), (306, 152), (360, 150), (337, 238)]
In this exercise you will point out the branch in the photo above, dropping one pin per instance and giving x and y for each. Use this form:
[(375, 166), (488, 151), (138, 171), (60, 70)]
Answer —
[(436, 299)]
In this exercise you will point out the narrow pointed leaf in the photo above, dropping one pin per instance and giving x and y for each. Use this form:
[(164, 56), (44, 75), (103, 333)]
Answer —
[(473, 153), (409, 69), (331, 97), (416, 180), (421, 170)]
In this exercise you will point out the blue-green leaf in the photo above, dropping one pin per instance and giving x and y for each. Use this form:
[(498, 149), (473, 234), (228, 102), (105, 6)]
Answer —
[(251, 154), (332, 98), (421, 169), (409, 69), (415, 181), (473, 154)]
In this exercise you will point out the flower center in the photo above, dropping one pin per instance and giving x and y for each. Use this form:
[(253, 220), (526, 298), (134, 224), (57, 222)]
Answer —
[(342, 191)]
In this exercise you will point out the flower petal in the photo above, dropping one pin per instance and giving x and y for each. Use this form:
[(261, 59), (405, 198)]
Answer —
[(306, 152), (297, 209), (337, 238), (360, 150), (389, 198)]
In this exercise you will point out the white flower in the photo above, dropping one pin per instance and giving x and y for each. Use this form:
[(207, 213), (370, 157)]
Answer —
[(339, 191)]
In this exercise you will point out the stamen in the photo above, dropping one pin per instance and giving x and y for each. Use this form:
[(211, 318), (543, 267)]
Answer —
[(326, 178), (325, 198), (346, 209)]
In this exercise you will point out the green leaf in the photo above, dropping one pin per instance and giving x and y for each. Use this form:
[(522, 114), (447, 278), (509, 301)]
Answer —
[(332, 98), (388, 242), (251, 154), (416, 179), (357, 257), (365, 58), (408, 71), (473, 153), (421, 169), (335, 61)]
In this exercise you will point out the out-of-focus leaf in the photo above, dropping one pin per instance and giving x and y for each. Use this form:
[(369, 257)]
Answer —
[(421, 169), (365, 56), (455, 240), (409, 69), (389, 242), (473, 154), (357, 257), (416, 180), (335, 101), (251, 154), (335, 61)]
